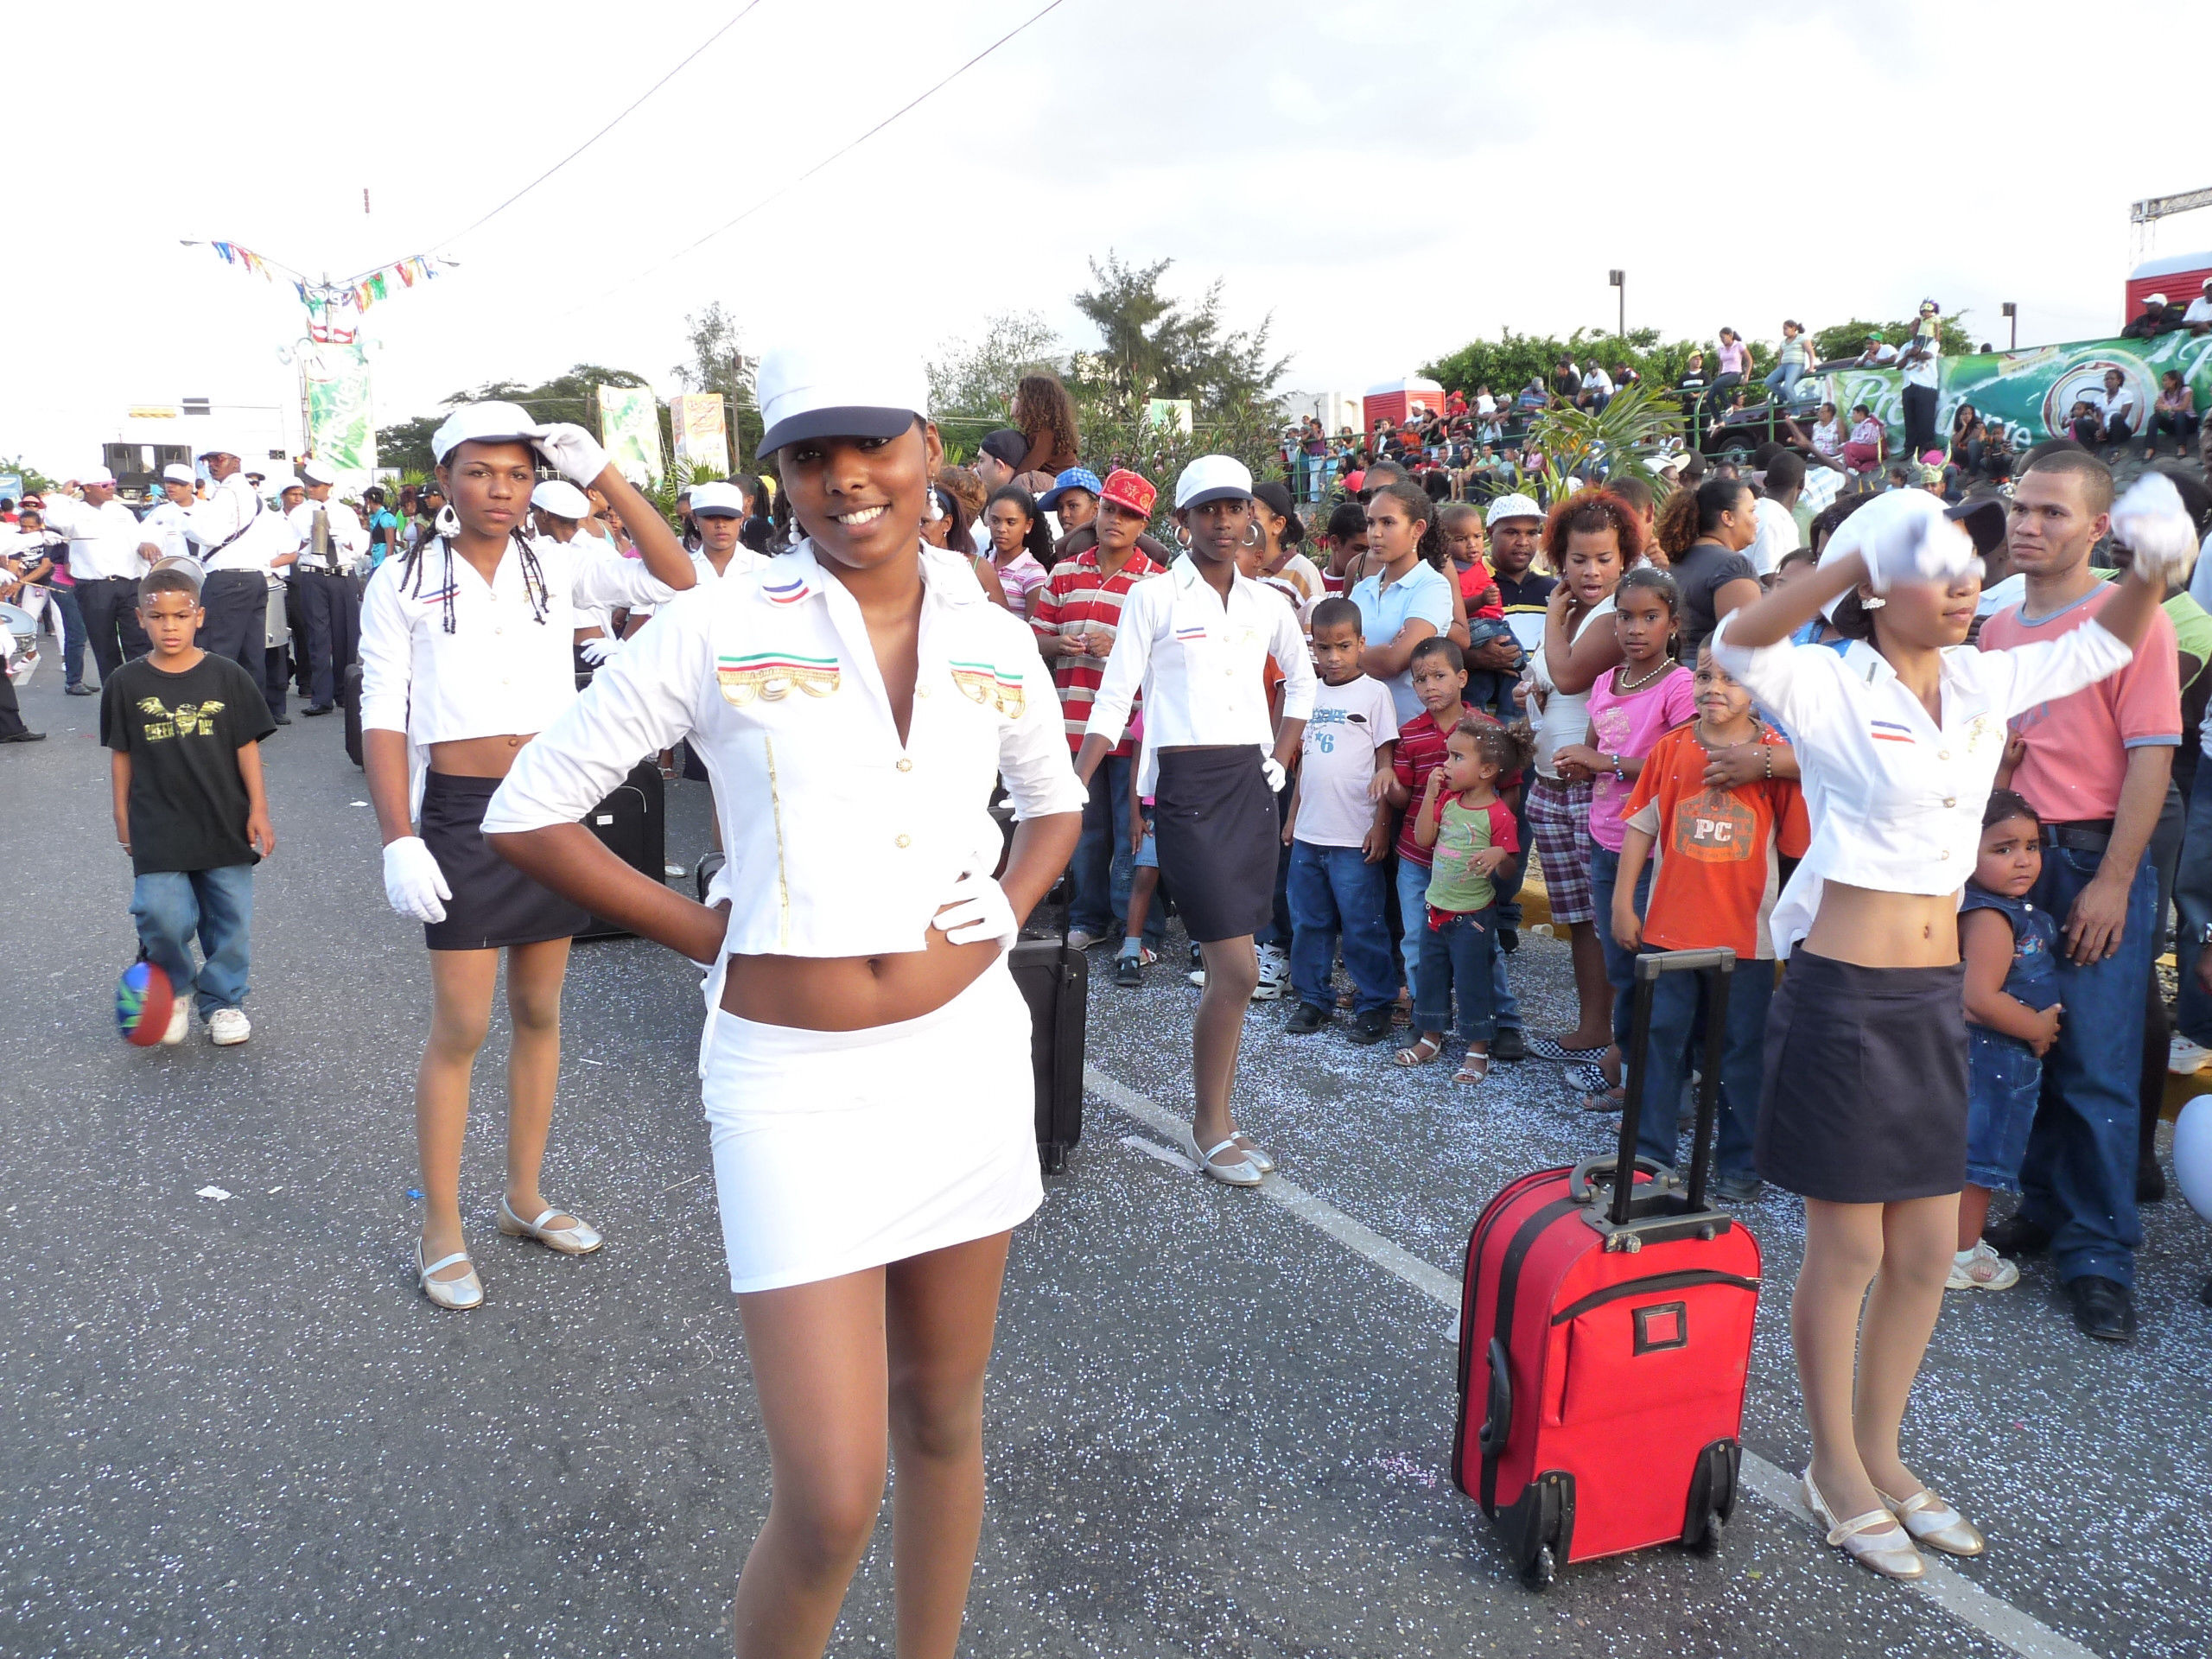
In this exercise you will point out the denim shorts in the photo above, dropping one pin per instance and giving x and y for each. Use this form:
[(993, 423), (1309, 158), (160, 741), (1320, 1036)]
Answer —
[(1147, 856), (2004, 1079)]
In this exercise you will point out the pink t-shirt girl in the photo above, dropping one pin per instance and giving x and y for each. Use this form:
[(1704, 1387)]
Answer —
[(1629, 726)]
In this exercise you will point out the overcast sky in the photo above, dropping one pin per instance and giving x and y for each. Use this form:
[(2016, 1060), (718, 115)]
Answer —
[(1389, 180)]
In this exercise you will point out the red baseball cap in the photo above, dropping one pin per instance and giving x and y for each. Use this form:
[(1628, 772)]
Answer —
[(1126, 489)]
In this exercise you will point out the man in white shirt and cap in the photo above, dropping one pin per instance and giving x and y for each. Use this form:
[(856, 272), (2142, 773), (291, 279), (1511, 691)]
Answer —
[(109, 550), (165, 524), (241, 543), (331, 541)]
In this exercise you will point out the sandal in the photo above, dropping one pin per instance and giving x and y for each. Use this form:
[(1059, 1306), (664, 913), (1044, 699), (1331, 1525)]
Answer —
[(1589, 1077), (579, 1237), (1933, 1520), (1240, 1171), (1415, 1056), (1473, 1067), (458, 1294), (1251, 1149)]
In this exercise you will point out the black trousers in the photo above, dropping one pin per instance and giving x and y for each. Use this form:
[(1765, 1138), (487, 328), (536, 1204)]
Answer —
[(1919, 420), (12, 712), (111, 609), (236, 624), (295, 624), (331, 607)]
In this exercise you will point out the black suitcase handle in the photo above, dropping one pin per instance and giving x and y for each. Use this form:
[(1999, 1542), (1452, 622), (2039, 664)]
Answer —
[(1717, 966), (1497, 1417)]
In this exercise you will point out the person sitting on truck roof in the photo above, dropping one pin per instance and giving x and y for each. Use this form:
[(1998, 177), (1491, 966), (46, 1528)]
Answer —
[(2199, 314), (2159, 317)]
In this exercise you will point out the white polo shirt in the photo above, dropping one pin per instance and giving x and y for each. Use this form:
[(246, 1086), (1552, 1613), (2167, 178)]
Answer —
[(1201, 665), (1896, 797)]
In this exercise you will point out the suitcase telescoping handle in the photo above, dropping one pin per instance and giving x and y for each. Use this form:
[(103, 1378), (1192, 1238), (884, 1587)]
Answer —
[(1716, 967)]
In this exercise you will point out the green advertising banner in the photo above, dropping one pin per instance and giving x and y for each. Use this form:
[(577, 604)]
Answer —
[(629, 425), (2030, 392), (339, 428)]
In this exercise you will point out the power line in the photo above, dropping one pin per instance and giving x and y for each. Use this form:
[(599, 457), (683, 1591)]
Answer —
[(680, 68), (786, 189)]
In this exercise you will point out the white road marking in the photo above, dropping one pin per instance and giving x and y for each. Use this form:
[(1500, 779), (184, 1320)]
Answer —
[(1957, 1595), (1165, 1154)]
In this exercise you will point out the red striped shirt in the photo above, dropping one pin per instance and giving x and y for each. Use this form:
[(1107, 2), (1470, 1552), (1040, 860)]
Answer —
[(1079, 597)]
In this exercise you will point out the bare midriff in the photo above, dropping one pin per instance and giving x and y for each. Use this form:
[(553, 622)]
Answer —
[(853, 993), (479, 757), (1874, 928)]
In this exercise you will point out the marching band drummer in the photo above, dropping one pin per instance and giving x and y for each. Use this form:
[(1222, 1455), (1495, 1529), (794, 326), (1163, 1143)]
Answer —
[(331, 541), (866, 1067), (243, 545), (466, 654), (167, 524)]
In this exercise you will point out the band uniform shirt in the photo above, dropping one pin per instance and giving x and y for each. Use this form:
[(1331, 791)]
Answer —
[(104, 541)]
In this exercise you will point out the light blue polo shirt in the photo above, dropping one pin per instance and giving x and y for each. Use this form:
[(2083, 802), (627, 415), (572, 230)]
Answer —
[(1424, 592)]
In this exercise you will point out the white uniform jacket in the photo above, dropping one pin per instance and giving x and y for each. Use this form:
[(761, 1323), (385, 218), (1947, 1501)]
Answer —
[(843, 839)]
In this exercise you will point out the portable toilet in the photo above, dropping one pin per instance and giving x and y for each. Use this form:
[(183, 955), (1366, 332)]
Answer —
[(2180, 277), (1397, 399)]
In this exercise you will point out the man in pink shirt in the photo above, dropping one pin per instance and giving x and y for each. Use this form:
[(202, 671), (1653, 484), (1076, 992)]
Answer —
[(2096, 770)]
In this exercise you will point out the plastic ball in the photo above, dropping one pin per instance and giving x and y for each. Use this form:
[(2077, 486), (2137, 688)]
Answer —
[(144, 999), (2193, 1155)]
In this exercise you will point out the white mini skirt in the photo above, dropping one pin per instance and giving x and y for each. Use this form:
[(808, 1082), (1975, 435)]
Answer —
[(836, 1151)]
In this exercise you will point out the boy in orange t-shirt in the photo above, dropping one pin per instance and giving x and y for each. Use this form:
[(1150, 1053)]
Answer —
[(1719, 849)]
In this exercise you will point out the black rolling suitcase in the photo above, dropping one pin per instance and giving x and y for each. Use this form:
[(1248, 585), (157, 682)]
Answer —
[(1055, 978), (633, 822), (349, 700)]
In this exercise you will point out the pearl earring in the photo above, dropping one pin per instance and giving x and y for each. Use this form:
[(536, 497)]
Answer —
[(936, 508)]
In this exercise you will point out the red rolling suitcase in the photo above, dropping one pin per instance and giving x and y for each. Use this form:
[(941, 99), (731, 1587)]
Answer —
[(1606, 1335)]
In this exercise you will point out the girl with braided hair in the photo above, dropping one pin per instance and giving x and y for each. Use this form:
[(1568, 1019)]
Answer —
[(465, 657)]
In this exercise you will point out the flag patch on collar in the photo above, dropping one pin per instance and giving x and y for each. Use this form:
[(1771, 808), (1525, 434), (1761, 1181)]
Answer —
[(1190, 636), (1889, 731), (789, 593)]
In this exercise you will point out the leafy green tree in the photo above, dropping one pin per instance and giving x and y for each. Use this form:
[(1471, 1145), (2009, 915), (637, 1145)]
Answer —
[(1849, 339), (977, 380), (1154, 347), (1507, 363), (34, 480), (718, 363), (406, 444)]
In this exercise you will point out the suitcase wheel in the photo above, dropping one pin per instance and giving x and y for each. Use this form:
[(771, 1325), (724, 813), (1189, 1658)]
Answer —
[(1053, 1156), (1538, 1575), (1707, 1542)]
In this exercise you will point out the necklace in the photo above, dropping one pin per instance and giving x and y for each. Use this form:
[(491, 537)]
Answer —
[(1623, 687), (1710, 747)]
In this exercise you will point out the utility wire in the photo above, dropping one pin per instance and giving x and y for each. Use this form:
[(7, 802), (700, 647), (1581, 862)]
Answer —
[(792, 185), (631, 108)]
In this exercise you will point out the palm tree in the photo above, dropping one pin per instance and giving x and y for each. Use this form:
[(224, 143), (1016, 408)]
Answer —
[(1622, 436)]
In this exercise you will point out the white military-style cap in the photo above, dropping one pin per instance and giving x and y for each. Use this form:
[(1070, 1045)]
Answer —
[(1513, 506), (99, 475), (1213, 478), (561, 499), (176, 473), (850, 389), (286, 486), (316, 470), (483, 422), (716, 499)]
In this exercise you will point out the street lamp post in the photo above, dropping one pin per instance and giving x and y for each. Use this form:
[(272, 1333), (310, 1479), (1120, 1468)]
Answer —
[(1618, 279), (2011, 314)]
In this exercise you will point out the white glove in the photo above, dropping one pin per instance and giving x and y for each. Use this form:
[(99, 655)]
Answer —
[(2152, 523), (1271, 769), (596, 651), (569, 449), (413, 881), (978, 910), (1903, 537)]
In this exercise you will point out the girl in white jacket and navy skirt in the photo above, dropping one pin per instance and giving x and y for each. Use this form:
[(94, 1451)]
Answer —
[(1863, 1111), (866, 1064), (466, 653)]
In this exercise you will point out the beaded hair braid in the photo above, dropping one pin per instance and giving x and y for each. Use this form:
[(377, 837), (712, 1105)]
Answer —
[(533, 578)]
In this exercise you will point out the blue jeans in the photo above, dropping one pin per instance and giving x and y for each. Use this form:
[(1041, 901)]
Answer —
[(1102, 867), (170, 906), (2004, 1077), (73, 635), (1335, 891), (1620, 965), (1413, 920), (1676, 1002), (2079, 1178), (2193, 901), (1456, 958), (1784, 378)]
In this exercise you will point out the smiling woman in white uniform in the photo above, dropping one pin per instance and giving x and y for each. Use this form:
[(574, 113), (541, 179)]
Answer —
[(867, 1062), (465, 653)]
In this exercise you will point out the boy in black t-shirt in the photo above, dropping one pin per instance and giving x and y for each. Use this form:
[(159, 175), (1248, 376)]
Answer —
[(189, 807)]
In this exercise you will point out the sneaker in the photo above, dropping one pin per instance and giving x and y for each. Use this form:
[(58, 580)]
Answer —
[(80, 690), (1128, 970), (1305, 1020), (1509, 1045), (1736, 1189), (1274, 973), (2186, 1058), (180, 1023), (1082, 938), (227, 1027), (1981, 1269)]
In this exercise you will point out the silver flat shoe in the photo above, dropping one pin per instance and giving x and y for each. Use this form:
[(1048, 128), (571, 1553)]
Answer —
[(1874, 1540), (1932, 1521), (1240, 1171), (580, 1240), (459, 1295), (1250, 1148)]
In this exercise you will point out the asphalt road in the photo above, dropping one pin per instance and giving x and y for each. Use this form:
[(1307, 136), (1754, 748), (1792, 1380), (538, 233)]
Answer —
[(1215, 1427)]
